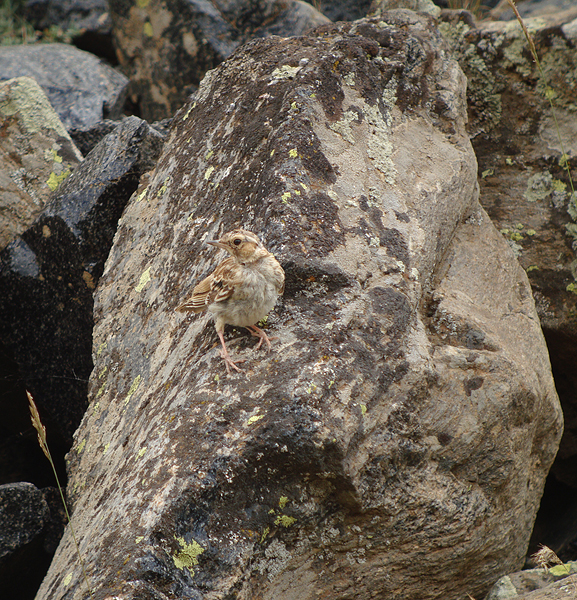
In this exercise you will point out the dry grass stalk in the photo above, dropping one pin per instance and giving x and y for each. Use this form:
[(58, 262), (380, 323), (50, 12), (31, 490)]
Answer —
[(549, 93), (42, 440)]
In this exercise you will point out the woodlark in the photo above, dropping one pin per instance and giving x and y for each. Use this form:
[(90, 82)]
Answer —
[(242, 290)]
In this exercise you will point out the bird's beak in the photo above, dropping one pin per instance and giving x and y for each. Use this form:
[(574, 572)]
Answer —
[(217, 243)]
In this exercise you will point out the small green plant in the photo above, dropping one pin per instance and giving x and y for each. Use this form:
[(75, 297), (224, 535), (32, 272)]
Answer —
[(42, 441), (14, 29)]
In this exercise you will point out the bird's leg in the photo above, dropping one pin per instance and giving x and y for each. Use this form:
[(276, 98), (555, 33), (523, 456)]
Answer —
[(226, 356), (259, 333)]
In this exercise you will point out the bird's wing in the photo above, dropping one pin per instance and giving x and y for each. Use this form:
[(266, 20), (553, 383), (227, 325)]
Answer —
[(217, 287)]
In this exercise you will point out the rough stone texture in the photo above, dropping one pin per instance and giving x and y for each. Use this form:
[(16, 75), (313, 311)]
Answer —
[(344, 10), (86, 21), (48, 274), (524, 188), (83, 90), (25, 518), (166, 46), (37, 154), (395, 441), (537, 584), (23, 514)]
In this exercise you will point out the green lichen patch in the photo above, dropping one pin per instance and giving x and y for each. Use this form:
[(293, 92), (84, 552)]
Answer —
[(539, 186), (187, 556)]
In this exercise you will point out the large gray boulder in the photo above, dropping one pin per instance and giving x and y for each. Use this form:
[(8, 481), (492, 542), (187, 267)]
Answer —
[(396, 440)]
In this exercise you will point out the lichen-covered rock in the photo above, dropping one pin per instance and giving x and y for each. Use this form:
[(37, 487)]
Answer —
[(396, 439), (556, 583), (166, 47), (525, 186), (37, 155)]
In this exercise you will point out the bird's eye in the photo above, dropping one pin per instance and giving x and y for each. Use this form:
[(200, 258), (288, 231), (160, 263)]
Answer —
[(237, 241)]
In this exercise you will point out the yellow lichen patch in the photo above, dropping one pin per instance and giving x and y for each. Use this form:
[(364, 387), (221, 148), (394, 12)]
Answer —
[(285, 197), (161, 191), (132, 389), (96, 408), (81, 446), (142, 195), (144, 279), (187, 113), (101, 390), (141, 452), (208, 173), (282, 501), (285, 521), (101, 348), (187, 556), (254, 419), (264, 534), (139, 539), (55, 180), (147, 29), (67, 579), (105, 450), (293, 153)]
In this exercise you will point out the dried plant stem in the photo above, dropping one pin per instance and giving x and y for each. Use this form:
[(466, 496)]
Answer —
[(42, 440), (564, 161)]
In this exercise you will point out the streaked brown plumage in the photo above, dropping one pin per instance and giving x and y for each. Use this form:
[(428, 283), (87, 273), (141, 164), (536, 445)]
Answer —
[(242, 290)]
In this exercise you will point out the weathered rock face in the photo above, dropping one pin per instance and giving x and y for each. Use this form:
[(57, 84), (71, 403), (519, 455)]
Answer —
[(166, 47), (37, 154), (396, 440), (524, 185)]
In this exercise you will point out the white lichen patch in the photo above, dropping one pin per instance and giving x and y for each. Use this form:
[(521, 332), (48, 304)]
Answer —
[(379, 146), (539, 186), (284, 72), (277, 558), (343, 126)]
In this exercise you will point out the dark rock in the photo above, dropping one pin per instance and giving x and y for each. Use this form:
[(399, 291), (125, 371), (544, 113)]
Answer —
[(396, 439), (166, 48), (31, 525), (82, 90), (49, 273), (86, 21), (23, 514), (345, 10), (37, 154)]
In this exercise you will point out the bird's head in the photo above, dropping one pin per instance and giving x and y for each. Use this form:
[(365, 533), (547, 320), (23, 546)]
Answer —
[(243, 245)]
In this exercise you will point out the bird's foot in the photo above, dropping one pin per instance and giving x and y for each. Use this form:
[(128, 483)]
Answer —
[(226, 356), (228, 362), (259, 333)]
